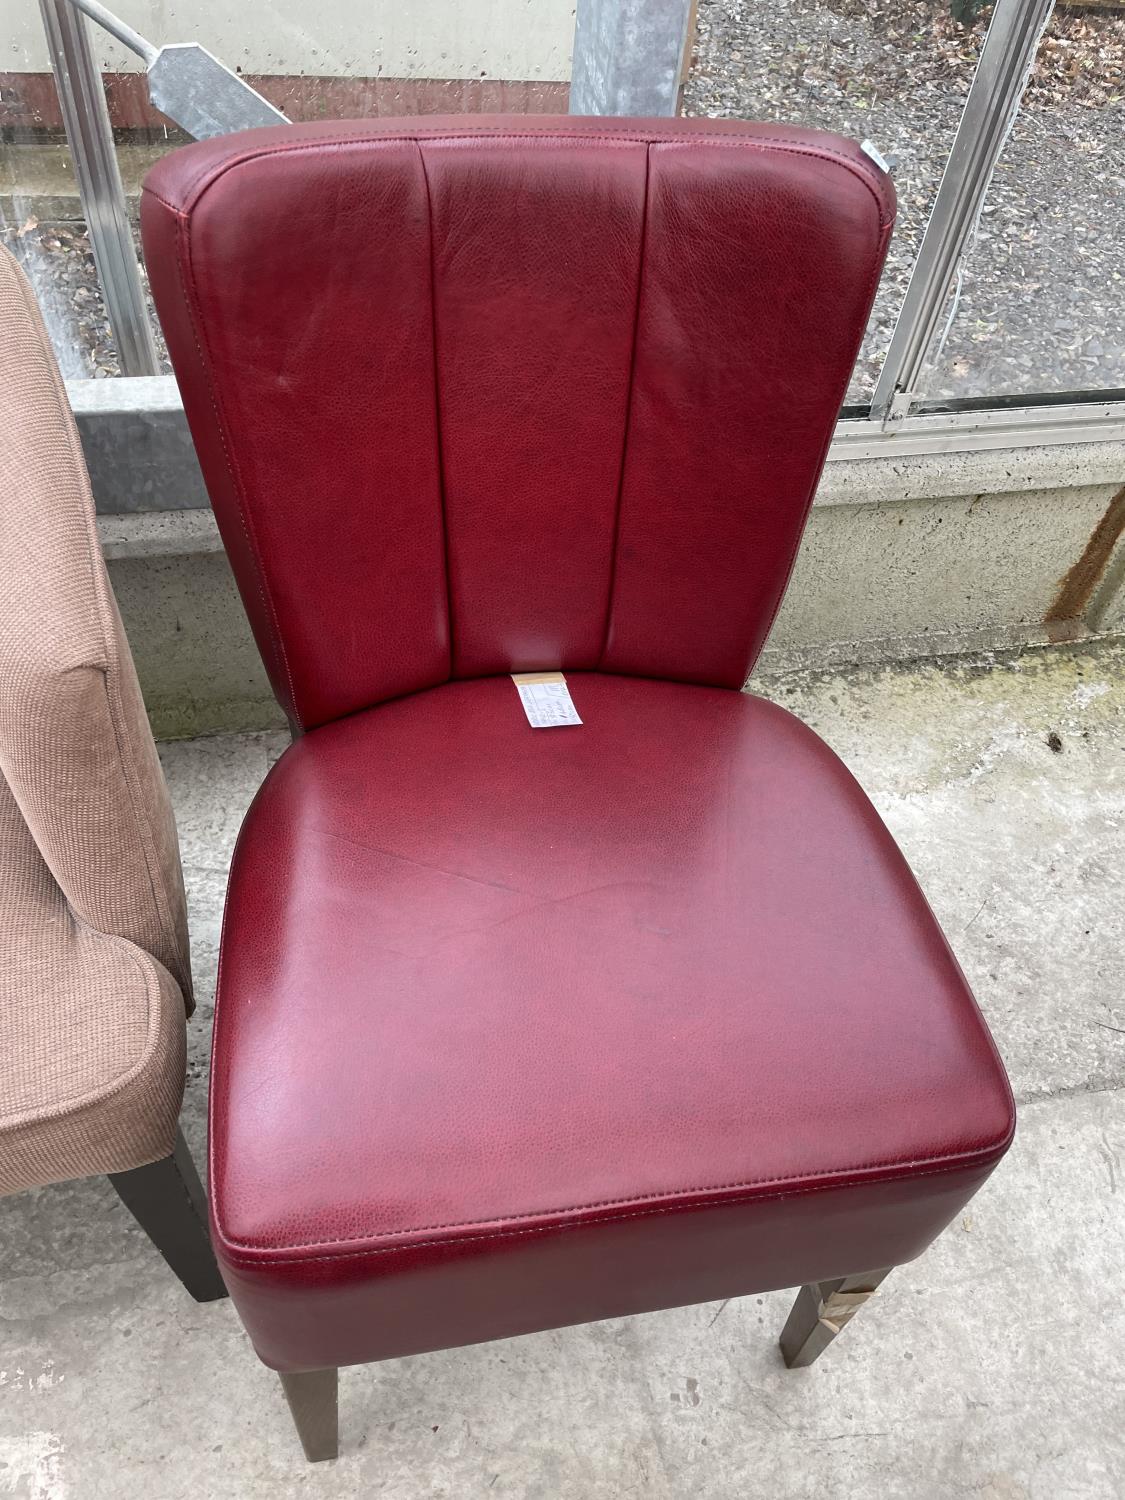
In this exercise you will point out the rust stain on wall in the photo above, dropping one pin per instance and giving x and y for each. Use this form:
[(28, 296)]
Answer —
[(1077, 587)]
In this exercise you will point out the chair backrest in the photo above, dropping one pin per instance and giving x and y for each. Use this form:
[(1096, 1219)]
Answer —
[(77, 757), (502, 394)]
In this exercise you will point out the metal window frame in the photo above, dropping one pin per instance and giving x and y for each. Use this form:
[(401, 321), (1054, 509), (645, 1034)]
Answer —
[(896, 423), (1044, 426), (88, 131), (1009, 52), (89, 134)]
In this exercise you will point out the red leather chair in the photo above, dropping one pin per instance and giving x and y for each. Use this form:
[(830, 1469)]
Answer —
[(525, 1027)]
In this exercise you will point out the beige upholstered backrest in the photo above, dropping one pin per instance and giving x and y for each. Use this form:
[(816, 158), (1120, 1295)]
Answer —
[(76, 751)]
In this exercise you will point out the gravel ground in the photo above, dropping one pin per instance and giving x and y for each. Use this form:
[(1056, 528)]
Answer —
[(1042, 306), (60, 266)]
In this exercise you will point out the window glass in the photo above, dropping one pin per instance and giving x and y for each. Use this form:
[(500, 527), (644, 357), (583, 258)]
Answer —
[(41, 219), (337, 61), (1039, 307), (896, 73)]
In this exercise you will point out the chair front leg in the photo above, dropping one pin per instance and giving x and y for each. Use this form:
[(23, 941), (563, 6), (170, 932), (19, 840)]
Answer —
[(166, 1199), (312, 1397), (821, 1310)]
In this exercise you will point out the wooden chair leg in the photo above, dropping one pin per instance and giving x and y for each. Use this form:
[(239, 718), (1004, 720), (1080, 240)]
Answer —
[(820, 1312), (312, 1400), (167, 1201)]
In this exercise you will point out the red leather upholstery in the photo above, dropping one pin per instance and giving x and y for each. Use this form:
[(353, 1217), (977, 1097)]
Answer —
[(518, 1028), (525, 1027), (486, 397)]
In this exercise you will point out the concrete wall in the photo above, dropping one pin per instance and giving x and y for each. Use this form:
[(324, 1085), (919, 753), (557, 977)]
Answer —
[(199, 667), (924, 557), (524, 39), (952, 553)]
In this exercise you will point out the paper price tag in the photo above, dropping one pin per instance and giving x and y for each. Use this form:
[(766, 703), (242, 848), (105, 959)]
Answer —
[(546, 699)]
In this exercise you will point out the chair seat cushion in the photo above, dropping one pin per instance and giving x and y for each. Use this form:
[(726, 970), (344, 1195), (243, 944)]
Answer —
[(523, 1027)]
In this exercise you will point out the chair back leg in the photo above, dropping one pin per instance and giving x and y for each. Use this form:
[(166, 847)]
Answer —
[(312, 1400), (820, 1312), (166, 1199)]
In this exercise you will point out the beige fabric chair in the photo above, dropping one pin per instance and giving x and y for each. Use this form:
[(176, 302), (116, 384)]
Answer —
[(94, 965)]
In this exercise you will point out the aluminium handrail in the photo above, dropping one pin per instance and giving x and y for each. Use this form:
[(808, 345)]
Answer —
[(190, 87), (1002, 72)]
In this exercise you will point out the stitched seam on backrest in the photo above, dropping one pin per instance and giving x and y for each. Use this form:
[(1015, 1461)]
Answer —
[(789, 145), (627, 427), (450, 643), (203, 350)]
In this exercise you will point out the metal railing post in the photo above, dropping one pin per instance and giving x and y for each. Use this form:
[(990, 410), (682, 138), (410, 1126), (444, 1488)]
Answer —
[(1005, 63), (86, 119), (628, 56)]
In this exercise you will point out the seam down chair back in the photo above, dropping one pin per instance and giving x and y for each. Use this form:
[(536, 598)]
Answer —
[(528, 395)]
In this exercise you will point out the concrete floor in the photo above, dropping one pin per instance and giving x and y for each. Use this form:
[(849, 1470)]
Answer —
[(993, 1367)]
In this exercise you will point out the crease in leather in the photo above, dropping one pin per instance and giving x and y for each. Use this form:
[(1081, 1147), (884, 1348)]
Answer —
[(808, 1182), (628, 412), (365, 1247), (451, 634)]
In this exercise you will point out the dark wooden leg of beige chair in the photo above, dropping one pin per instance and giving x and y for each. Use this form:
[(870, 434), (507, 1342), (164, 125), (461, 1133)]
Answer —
[(819, 1313), (312, 1400), (167, 1201)]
